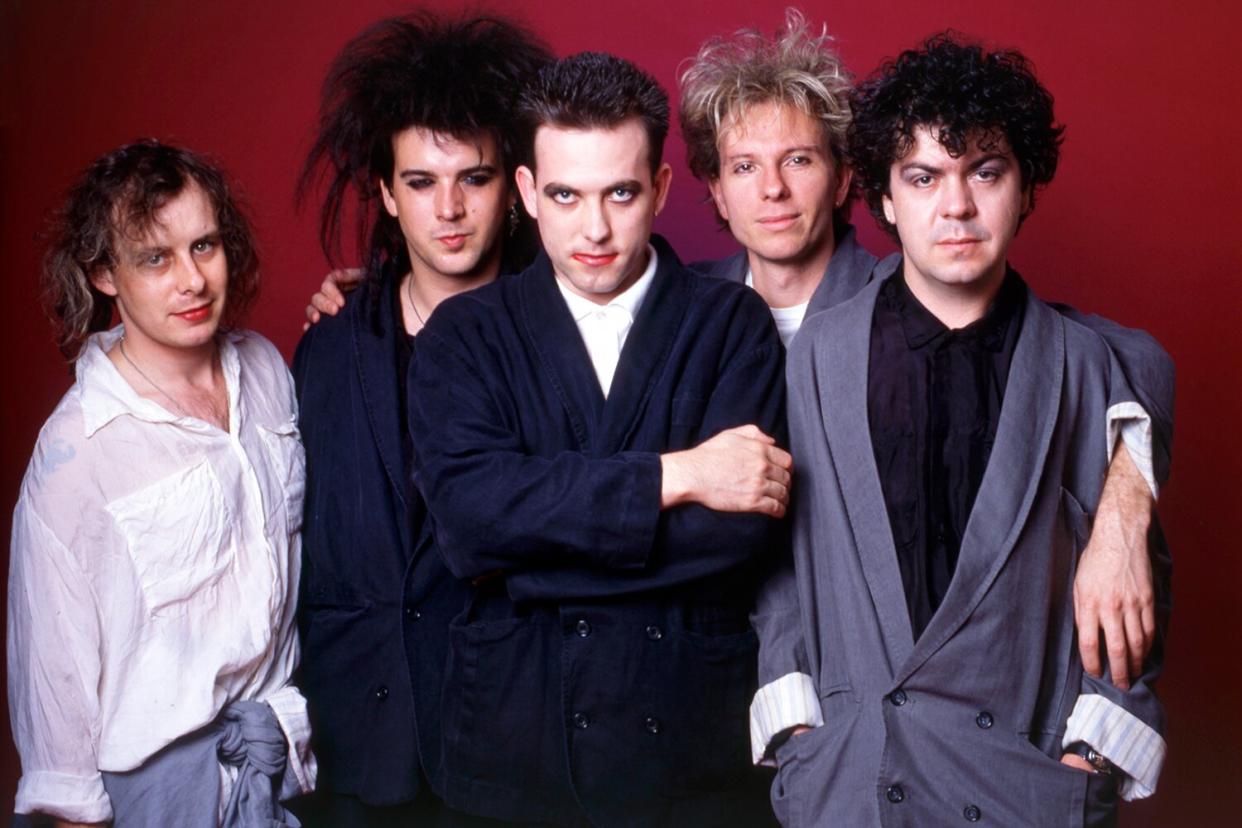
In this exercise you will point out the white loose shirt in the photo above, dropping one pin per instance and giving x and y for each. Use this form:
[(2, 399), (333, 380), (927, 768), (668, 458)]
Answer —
[(604, 328), (153, 576)]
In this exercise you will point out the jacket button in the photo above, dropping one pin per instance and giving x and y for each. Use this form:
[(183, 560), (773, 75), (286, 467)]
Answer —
[(583, 628), (581, 721), (413, 613), (381, 692), (972, 813), (654, 633), (652, 724), (984, 720), (895, 794), (898, 698)]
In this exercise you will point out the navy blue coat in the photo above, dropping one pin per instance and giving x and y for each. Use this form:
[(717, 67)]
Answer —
[(604, 669), (375, 595)]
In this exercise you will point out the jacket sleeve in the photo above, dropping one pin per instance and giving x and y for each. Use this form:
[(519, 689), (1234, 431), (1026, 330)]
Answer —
[(1126, 726), (497, 507), (692, 542), (787, 695), (1146, 424)]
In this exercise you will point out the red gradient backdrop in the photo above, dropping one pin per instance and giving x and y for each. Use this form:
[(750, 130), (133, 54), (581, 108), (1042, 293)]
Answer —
[(1140, 223)]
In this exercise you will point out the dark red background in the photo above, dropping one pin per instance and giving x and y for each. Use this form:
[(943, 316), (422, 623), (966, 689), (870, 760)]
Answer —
[(1141, 223)]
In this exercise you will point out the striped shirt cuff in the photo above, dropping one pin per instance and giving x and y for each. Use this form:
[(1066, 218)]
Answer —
[(289, 705), (1131, 421), (1121, 738), (788, 702)]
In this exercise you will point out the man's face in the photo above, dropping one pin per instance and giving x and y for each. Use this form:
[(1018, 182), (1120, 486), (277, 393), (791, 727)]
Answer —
[(171, 282), (778, 183), (956, 216), (594, 197), (450, 198)]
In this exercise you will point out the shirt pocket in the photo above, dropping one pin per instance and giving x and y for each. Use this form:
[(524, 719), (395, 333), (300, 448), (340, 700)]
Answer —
[(288, 468), (177, 533)]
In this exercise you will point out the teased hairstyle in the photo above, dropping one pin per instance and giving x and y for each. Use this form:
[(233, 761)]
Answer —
[(593, 90), (121, 193), (796, 67), (454, 77), (969, 95)]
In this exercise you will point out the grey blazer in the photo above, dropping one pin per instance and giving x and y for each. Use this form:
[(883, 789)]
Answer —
[(968, 720)]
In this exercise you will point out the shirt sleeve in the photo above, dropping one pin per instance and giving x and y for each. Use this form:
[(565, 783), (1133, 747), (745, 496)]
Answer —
[(53, 670), (1125, 740), (289, 705)]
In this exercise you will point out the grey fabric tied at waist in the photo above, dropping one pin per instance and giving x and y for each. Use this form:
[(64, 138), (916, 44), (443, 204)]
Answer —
[(180, 785)]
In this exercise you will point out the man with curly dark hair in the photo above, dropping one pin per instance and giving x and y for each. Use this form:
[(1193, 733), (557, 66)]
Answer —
[(946, 425), (416, 131), (155, 553)]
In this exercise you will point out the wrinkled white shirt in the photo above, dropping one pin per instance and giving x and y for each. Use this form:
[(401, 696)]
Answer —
[(605, 328), (153, 576)]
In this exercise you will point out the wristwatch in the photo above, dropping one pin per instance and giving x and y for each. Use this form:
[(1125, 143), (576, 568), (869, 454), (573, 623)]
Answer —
[(1091, 757)]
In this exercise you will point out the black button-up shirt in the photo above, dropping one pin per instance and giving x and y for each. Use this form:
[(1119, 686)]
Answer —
[(934, 400)]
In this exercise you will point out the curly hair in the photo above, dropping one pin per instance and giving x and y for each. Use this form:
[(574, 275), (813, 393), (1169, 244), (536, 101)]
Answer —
[(454, 77), (590, 90), (971, 96), (120, 194)]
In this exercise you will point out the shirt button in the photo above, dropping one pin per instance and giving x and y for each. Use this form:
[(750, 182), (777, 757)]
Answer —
[(652, 724), (984, 720), (654, 633), (413, 613), (895, 794), (972, 813), (581, 721), (381, 692), (898, 698), (583, 628)]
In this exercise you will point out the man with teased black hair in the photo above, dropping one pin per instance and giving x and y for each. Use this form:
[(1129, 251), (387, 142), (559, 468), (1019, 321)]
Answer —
[(416, 125), (594, 448), (947, 427)]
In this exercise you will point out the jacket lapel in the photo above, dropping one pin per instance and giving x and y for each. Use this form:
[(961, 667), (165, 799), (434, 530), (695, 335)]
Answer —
[(842, 364), (560, 349), (646, 348), (1011, 480), (849, 270), (376, 360)]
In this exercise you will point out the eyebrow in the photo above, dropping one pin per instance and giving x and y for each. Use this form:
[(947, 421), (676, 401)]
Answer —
[(805, 148), (475, 170), (552, 187), (974, 165)]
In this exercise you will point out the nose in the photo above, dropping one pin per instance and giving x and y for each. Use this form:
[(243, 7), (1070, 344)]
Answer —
[(190, 278), (773, 183), (595, 226), (956, 198), (449, 205)]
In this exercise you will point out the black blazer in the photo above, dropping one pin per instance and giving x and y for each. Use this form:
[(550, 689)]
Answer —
[(375, 596), (604, 670)]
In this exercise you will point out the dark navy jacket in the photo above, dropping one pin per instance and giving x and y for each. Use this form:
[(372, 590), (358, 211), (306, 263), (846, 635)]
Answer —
[(604, 669), (374, 592)]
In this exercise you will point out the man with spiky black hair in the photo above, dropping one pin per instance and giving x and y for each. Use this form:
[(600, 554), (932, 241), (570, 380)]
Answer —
[(946, 425), (416, 131), (598, 445)]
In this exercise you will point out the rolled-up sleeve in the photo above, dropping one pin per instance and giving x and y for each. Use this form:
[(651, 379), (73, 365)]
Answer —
[(53, 673)]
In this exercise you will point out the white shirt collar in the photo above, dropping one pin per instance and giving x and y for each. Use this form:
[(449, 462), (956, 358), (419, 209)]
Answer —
[(106, 395)]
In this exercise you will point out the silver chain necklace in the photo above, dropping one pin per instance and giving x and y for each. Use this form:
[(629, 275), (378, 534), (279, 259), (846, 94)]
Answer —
[(409, 291), (150, 381)]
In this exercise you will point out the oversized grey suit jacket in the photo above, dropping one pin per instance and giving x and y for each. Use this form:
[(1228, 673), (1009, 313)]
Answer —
[(970, 716)]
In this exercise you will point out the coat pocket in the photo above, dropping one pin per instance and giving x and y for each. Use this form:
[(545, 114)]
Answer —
[(177, 534)]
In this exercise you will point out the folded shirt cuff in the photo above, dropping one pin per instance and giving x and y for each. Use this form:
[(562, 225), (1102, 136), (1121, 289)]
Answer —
[(1131, 421), (1123, 739), (63, 795), (789, 701), (289, 705)]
